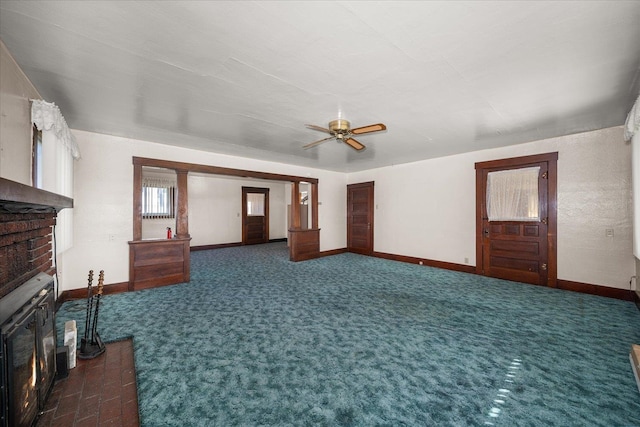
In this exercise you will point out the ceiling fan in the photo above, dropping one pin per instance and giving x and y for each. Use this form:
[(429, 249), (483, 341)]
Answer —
[(340, 130)]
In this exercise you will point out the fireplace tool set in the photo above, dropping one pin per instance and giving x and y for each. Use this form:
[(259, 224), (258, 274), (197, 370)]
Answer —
[(91, 345)]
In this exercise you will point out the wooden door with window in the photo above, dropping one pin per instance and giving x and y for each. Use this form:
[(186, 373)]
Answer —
[(360, 218), (519, 247), (255, 215)]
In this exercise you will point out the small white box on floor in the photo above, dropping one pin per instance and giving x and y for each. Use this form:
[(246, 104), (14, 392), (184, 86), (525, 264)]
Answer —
[(634, 357), (71, 341)]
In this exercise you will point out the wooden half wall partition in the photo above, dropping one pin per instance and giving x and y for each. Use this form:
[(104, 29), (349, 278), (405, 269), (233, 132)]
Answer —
[(158, 262)]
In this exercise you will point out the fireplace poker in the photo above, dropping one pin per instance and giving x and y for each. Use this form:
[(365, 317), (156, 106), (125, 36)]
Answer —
[(89, 306)]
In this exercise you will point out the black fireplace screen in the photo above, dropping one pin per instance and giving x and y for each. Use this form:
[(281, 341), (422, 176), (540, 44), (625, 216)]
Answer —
[(28, 350)]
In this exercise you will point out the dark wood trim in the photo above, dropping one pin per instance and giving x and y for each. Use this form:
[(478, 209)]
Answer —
[(15, 196), (229, 245), (217, 246), (552, 206), (603, 291), (139, 162), (74, 294), (332, 252), (182, 211), (217, 170), (314, 205), (295, 205), (552, 214), (428, 262), (517, 161), (137, 202), (567, 285), (622, 294)]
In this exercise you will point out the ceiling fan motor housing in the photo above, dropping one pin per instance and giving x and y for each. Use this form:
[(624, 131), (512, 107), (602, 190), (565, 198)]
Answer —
[(339, 126)]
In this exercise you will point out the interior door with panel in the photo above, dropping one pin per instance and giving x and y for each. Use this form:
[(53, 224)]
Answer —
[(360, 218), (516, 223), (255, 215)]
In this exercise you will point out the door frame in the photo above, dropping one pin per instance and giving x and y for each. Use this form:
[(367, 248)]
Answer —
[(371, 186), (252, 190), (552, 209)]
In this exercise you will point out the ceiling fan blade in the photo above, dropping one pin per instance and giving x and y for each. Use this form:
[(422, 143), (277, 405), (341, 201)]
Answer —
[(354, 144), (321, 129), (313, 144), (366, 129)]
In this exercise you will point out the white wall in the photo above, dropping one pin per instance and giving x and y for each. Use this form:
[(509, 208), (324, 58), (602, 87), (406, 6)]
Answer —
[(215, 209), (104, 193), (427, 209), (15, 123)]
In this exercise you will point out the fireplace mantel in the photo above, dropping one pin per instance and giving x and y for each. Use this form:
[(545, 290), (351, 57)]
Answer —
[(16, 197)]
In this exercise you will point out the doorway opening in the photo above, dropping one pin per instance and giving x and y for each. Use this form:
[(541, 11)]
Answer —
[(255, 215)]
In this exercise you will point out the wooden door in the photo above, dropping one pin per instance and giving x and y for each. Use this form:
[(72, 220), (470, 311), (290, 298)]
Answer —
[(360, 218), (255, 215), (523, 251)]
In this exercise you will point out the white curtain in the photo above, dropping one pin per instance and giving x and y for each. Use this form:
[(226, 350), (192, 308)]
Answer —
[(255, 204), (47, 117), (59, 149), (512, 195), (632, 133)]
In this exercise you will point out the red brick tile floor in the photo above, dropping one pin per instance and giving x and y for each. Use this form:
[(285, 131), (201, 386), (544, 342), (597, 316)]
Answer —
[(97, 392)]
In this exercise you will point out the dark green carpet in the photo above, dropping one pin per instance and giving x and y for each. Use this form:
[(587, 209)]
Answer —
[(345, 340)]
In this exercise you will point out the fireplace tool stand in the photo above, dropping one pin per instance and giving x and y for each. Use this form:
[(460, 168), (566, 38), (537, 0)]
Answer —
[(91, 344)]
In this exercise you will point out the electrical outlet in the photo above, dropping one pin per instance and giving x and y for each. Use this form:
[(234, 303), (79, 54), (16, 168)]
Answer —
[(466, 260), (421, 263), (608, 232), (112, 237)]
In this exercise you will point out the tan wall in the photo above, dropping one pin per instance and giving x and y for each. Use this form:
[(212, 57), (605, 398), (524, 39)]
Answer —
[(15, 120)]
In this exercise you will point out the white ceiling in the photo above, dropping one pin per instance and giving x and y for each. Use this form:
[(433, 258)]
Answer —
[(243, 78)]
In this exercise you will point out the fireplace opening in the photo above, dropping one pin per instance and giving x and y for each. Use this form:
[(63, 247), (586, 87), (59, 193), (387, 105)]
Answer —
[(28, 352)]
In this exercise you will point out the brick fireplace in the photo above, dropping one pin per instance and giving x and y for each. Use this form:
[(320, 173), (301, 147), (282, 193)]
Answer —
[(27, 299), (27, 216)]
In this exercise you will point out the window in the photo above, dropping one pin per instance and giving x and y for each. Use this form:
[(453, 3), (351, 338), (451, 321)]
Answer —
[(512, 195), (158, 199), (36, 158), (255, 204)]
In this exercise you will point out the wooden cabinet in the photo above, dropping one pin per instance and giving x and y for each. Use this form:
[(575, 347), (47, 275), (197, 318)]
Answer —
[(305, 244), (158, 262)]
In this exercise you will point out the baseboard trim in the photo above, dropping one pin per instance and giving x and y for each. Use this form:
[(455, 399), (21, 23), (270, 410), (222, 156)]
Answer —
[(427, 262), (603, 291), (228, 245), (332, 252), (567, 285), (74, 294), (218, 246)]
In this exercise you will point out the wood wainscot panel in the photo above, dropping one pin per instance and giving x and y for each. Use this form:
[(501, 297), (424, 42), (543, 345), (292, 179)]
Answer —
[(305, 244), (158, 262)]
